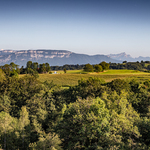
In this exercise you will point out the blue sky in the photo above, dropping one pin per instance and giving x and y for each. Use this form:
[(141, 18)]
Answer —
[(81, 26)]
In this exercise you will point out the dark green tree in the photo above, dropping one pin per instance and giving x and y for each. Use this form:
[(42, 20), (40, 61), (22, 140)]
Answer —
[(48, 68), (7, 69), (42, 68), (35, 66), (65, 70), (88, 68), (118, 85), (98, 68), (105, 65), (29, 64)]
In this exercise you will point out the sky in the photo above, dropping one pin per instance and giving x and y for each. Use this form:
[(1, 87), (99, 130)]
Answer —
[(81, 26)]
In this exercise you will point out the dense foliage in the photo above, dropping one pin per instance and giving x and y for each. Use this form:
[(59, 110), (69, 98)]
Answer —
[(131, 65), (91, 115), (34, 68), (143, 65)]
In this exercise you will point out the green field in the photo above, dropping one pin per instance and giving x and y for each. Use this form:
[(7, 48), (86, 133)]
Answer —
[(146, 64), (72, 76), (105, 72)]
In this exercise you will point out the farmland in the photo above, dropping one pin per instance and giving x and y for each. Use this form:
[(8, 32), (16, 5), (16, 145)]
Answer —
[(72, 76)]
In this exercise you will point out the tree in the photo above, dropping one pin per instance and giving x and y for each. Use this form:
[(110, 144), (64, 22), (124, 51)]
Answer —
[(35, 66), (90, 88), (123, 121), (88, 68), (5, 103), (118, 85), (105, 65), (24, 122), (29, 64), (13, 66), (49, 142), (144, 128), (42, 68), (2, 75), (65, 70), (48, 68), (8, 125), (148, 67), (98, 68), (84, 125), (22, 70), (7, 69)]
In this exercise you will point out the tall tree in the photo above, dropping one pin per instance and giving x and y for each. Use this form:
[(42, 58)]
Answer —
[(48, 68), (24, 122), (7, 126), (29, 64), (42, 68), (35, 66)]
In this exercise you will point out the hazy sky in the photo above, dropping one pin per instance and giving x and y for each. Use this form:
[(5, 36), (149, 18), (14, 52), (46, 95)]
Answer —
[(81, 26)]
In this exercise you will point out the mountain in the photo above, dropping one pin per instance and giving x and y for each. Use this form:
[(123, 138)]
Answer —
[(142, 58), (53, 57), (61, 57), (124, 57)]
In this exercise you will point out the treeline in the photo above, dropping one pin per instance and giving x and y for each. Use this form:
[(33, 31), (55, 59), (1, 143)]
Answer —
[(131, 65), (91, 115), (34, 68), (143, 65), (13, 69)]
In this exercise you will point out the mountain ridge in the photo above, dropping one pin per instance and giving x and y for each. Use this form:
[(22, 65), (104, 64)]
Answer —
[(126, 57), (53, 57), (62, 57)]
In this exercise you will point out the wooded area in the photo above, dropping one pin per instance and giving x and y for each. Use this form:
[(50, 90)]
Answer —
[(94, 114)]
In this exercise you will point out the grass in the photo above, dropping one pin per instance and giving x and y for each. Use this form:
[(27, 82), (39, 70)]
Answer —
[(72, 76), (122, 72), (71, 72), (146, 64)]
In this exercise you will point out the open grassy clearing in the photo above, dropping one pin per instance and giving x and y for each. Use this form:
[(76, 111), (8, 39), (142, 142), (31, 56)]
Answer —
[(72, 77), (105, 72), (71, 72), (122, 72)]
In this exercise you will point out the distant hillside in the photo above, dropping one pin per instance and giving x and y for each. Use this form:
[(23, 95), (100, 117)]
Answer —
[(122, 57), (61, 57), (125, 57), (53, 57)]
